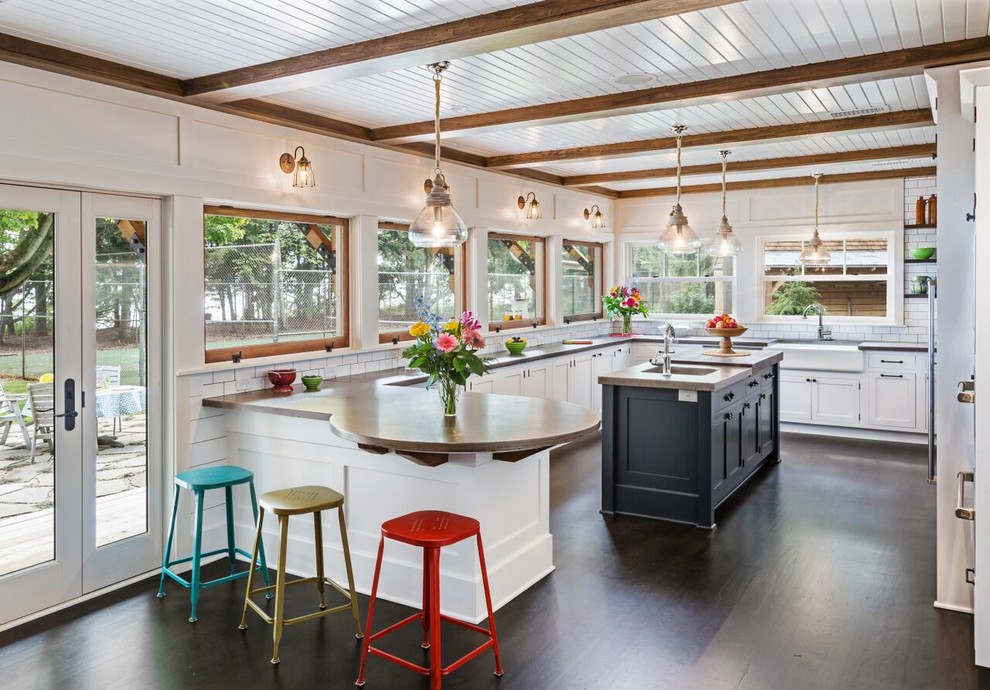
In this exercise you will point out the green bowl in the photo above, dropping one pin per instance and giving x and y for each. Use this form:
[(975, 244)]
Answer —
[(312, 383), (922, 253), (514, 348)]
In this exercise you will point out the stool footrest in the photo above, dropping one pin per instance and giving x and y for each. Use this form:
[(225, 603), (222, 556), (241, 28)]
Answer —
[(486, 645), (306, 617), (167, 569)]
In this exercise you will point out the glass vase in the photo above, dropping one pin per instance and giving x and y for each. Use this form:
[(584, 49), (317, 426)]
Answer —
[(627, 324), (449, 393)]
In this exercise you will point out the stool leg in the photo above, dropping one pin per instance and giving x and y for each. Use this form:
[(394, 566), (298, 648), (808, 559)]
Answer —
[(231, 556), (197, 549), (371, 613), (168, 542), (488, 603), (261, 544), (318, 535), (260, 518), (283, 542), (426, 599), (435, 662), (350, 573)]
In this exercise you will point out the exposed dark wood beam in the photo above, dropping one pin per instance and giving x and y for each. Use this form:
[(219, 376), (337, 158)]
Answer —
[(816, 75), (780, 182), (888, 153), (299, 119), (530, 23), (895, 120), (22, 51)]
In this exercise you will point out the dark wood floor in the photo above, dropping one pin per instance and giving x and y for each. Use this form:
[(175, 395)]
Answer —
[(821, 574)]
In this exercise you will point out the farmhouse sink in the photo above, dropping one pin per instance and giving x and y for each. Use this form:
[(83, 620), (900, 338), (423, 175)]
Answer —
[(678, 370), (821, 355)]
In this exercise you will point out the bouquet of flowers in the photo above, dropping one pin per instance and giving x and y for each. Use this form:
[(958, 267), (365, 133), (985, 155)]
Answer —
[(624, 302), (447, 352)]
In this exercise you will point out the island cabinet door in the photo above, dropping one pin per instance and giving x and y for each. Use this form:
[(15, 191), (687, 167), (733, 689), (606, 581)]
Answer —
[(728, 456), (750, 429), (766, 424)]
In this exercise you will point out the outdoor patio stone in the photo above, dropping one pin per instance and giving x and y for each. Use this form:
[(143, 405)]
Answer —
[(112, 487), (30, 495), (8, 510)]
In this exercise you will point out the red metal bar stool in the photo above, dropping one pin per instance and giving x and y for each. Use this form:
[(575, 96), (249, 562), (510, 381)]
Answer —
[(431, 530)]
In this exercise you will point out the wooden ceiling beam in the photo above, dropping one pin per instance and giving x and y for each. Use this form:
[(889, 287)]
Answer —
[(908, 61), (22, 51), (779, 182), (895, 120), (515, 26), (891, 152)]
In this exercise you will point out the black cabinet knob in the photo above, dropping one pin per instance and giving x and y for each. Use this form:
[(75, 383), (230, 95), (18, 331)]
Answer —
[(728, 396), (729, 415), (814, 380), (763, 396), (747, 405), (753, 383)]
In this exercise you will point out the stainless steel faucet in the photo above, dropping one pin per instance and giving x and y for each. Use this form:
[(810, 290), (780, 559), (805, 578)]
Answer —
[(823, 334), (662, 358)]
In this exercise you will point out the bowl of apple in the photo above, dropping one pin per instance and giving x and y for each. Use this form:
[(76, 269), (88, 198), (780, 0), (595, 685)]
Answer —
[(726, 328)]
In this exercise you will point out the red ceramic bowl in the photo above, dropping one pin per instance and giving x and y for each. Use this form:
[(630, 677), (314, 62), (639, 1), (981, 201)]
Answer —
[(282, 379)]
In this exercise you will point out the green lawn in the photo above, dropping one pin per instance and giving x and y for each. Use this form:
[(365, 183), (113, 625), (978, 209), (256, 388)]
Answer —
[(38, 363)]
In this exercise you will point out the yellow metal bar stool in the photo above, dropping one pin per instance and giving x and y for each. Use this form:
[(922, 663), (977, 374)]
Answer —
[(284, 503)]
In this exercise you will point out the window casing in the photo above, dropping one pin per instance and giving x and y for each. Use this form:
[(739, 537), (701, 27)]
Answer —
[(406, 274), (581, 272), (276, 283), (857, 285), (693, 284), (516, 280)]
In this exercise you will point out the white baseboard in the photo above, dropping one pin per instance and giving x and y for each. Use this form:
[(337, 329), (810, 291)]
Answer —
[(953, 607), (853, 432)]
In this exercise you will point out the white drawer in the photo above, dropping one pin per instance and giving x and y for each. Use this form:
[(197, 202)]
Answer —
[(907, 361)]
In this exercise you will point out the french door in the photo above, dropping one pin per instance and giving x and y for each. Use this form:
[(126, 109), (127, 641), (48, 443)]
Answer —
[(80, 462)]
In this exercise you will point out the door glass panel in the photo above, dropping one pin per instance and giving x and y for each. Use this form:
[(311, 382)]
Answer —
[(27, 368), (120, 394)]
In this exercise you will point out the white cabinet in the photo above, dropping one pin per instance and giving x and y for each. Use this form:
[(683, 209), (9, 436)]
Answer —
[(602, 363), (509, 381), (482, 384), (580, 381), (536, 381), (893, 399), (820, 398)]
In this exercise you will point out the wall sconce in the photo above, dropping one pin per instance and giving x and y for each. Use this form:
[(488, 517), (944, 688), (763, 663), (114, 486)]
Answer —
[(303, 175), (595, 215), (533, 211)]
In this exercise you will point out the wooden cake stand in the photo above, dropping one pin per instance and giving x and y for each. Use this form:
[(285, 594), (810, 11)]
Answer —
[(726, 334)]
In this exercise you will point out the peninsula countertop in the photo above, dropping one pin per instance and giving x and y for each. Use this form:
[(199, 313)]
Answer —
[(707, 373)]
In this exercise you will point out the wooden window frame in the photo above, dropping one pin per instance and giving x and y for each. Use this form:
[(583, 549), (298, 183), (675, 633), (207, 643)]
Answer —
[(240, 352), (599, 279), (541, 298), (460, 284)]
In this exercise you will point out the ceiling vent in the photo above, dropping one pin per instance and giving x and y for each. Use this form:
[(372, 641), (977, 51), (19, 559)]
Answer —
[(859, 112), (898, 163), (635, 79)]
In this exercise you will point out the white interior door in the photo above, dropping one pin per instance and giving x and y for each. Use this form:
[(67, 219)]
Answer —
[(81, 505)]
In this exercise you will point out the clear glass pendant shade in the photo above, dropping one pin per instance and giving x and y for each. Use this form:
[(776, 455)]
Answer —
[(814, 252), (678, 237), (438, 224), (724, 242)]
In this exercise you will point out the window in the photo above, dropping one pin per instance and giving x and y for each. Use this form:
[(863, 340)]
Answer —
[(516, 275), (407, 274), (582, 280), (275, 283), (856, 283), (694, 283)]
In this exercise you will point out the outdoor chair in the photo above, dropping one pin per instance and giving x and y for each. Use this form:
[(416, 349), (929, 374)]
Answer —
[(10, 413), (41, 398), (108, 376)]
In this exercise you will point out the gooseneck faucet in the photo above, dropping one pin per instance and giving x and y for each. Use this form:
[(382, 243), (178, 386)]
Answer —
[(662, 358), (823, 334)]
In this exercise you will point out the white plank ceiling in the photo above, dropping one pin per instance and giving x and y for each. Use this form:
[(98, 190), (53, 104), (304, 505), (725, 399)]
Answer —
[(184, 39)]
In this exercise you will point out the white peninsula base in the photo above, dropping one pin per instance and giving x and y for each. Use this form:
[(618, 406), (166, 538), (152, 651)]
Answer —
[(510, 499)]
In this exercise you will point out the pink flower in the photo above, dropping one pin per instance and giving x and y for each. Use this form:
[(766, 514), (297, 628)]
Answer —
[(469, 322), (473, 338), (446, 342), (629, 302)]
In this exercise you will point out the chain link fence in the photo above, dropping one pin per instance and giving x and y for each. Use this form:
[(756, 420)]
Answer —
[(397, 293)]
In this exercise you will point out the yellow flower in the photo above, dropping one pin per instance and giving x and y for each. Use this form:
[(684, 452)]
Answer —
[(451, 326), (419, 328)]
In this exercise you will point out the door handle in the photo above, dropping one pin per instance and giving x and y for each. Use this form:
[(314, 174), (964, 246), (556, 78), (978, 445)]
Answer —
[(967, 392), (962, 512), (70, 413), (891, 376)]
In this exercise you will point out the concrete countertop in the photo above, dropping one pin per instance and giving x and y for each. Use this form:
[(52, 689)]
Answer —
[(894, 347), (724, 373)]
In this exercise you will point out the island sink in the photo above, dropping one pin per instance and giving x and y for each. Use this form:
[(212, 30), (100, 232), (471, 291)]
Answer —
[(677, 370)]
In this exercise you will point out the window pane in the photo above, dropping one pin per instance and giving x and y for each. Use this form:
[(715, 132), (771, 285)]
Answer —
[(840, 297), (646, 261), (406, 274), (686, 297), (582, 279), (515, 277), (270, 280)]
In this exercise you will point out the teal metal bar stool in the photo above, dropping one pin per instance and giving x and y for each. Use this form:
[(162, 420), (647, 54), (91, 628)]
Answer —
[(199, 481)]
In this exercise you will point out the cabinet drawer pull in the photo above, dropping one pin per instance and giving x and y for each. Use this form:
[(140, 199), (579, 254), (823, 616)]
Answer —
[(728, 396), (729, 415), (892, 361), (763, 396), (753, 383), (746, 406), (767, 377), (891, 376)]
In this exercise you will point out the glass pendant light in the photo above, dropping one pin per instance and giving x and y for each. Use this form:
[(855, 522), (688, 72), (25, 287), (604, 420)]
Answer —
[(814, 252), (724, 243), (438, 224), (678, 237)]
